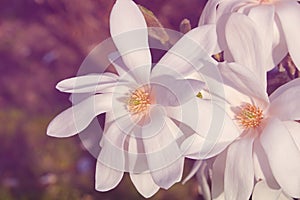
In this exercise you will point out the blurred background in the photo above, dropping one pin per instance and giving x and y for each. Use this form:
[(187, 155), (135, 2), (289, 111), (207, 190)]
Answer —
[(41, 43)]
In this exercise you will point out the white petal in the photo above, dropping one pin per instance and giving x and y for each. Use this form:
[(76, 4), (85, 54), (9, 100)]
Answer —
[(209, 15), (217, 179), (246, 45), (106, 177), (262, 167), (244, 81), (280, 49), (129, 32), (168, 176), (91, 83), (262, 191), (262, 15), (203, 178), (170, 91), (144, 184), (189, 53), (294, 129), (239, 172), (284, 101), (289, 13), (283, 156), (221, 133), (164, 157), (206, 36), (78, 117)]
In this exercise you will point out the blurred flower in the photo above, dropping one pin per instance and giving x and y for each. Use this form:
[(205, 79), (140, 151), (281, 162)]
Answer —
[(277, 21), (269, 145), (10, 182), (48, 179), (145, 108)]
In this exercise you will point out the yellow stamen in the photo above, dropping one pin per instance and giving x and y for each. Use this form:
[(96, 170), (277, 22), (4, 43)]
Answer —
[(199, 95), (250, 116), (139, 101)]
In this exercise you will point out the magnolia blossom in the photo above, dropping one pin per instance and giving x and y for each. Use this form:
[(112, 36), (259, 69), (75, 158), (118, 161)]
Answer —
[(267, 152), (277, 21), (149, 112)]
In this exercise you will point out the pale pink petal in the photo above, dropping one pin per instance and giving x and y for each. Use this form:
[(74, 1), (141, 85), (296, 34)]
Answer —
[(123, 71), (280, 49), (196, 114), (203, 180), (289, 14), (209, 13), (189, 53), (169, 175), (294, 129), (170, 91), (244, 81), (283, 156), (263, 15), (206, 37), (164, 157), (91, 83), (144, 184), (106, 177), (239, 172), (262, 192), (78, 117), (217, 179), (284, 101), (128, 29), (247, 45), (220, 132), (262, 167)]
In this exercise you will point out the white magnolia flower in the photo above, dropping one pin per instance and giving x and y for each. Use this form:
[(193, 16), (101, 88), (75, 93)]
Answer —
[(148, 111), (268, 148), (277, 21)]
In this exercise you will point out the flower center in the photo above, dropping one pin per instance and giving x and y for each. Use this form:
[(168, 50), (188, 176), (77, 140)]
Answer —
[(139, 101), (249, 116)]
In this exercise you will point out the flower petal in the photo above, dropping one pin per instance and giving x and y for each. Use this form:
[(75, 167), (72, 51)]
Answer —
[(164, 157), (220, 132), (168, 176), (284, 101), (246, 45), (78, 117), (128, 29), (239, 172), (244, 81), (289, 13), (170, 91), (209, 14), (262, 15), (262, 191), (91, 83), (189, 53), (217, 185), (203, 178), (283, 156), (280, 49), (262, 167), (123, 71), (106, 177), (294, 129), (144, 184)]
